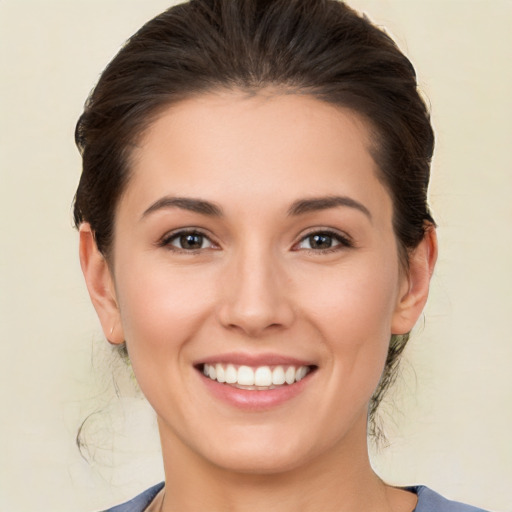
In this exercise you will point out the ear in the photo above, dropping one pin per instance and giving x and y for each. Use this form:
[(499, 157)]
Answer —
[(100, 285), (414, 291)]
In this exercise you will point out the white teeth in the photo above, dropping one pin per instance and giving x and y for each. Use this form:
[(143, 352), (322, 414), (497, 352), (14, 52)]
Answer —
[(290, 375), (278, 377), (301, 373), (221, 375), (231, 374), (257, 378), (245, 376), (263, 376)]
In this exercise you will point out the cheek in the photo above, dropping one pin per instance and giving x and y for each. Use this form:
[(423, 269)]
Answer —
[(161, 308), (352, 309), (360, 298), (161, 313)]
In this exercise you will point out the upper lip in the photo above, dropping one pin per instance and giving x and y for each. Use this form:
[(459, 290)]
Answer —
[(265, 359)]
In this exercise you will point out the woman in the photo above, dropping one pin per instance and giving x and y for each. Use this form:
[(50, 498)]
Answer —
[(254, 231)]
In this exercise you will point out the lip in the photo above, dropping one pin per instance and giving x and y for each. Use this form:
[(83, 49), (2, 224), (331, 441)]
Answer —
[(265, 359), (255, 400)]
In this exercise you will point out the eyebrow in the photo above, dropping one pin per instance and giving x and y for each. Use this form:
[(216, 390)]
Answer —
[(324, 203), (297, 208), (185, 203)]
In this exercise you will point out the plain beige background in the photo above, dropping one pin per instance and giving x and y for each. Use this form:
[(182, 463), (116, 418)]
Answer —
[(449, 419)]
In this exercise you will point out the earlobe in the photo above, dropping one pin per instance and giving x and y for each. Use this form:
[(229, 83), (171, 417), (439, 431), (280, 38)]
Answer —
[(416, 287), (100, 285)]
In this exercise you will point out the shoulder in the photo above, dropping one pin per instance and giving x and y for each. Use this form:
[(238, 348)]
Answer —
[(430, 501), (140, 502)]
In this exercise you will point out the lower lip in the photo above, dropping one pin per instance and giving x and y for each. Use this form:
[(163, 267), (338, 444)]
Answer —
[(255, 400)]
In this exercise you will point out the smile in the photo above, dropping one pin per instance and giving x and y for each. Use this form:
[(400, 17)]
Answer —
[(258, 378), (256, 382)]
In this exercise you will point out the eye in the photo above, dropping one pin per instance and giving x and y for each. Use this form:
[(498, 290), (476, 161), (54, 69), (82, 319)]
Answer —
[(187, 241), (323, 241)]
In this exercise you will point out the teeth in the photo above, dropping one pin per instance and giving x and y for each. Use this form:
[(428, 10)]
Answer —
[(256, 378), (278, 376), (245, 376), (231, 374), (263, 376), (301, 373), (290, 375), (221, 374)]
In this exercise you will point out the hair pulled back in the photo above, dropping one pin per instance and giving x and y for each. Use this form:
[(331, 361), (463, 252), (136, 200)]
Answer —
[(317, 47)]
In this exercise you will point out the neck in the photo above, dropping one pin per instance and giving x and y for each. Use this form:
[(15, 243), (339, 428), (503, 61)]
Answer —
[(341, 480)]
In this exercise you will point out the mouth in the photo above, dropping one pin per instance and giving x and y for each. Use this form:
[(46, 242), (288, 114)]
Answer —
[(255, 382), (255, 378)]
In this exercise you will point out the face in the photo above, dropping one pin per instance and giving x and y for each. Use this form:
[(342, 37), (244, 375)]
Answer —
[(254, 243)]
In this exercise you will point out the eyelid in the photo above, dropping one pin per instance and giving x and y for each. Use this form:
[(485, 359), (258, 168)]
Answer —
[(165, 240), (344, 240)]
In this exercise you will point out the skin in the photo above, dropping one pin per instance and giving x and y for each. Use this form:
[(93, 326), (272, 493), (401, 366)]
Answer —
[(255, 286)]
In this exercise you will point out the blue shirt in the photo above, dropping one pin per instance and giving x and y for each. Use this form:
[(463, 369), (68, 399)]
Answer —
[(428, 501)]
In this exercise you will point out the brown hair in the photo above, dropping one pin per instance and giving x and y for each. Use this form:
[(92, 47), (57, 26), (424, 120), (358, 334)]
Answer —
[(317, 47)]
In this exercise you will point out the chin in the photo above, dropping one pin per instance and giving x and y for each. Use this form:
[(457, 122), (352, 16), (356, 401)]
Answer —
[(259, 461), (262, 450)]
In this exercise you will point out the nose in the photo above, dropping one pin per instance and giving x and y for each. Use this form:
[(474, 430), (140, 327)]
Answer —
[(255, 295)]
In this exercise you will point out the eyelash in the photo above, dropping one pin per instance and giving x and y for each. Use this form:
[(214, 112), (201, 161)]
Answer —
[(167, 240), (343, 241)]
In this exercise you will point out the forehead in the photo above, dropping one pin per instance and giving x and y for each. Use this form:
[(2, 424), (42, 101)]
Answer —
[(227, 145)]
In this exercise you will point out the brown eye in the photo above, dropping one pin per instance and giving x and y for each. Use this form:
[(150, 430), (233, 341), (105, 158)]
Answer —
[(320, 241), (323, 241), (191, 241), (188, 241)]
